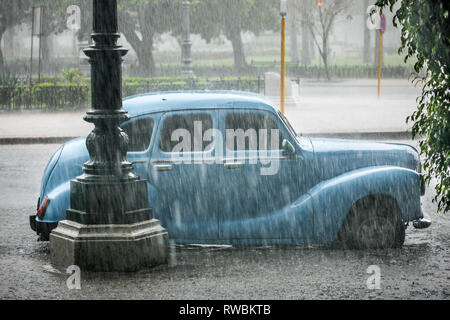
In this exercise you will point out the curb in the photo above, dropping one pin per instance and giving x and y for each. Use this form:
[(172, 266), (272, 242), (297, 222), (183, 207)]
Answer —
[(394, 135), (35, 140)]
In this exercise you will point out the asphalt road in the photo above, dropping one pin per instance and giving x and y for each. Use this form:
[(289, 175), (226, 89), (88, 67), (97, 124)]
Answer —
[(419, 270)]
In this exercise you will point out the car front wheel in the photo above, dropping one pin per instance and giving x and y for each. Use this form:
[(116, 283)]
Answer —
[(373, 222)]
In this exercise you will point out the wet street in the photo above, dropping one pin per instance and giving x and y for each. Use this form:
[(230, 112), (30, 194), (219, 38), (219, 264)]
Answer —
[(419, 270)]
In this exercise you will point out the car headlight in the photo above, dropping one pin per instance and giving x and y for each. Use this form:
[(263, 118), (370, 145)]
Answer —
[(422, 179)]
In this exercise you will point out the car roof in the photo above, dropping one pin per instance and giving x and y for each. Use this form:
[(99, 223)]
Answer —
[(185, 100)]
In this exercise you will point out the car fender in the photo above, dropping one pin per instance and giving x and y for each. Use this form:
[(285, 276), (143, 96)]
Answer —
[(60, 202), (333, 198)]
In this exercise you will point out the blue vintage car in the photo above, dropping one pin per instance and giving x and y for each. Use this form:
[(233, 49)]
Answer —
[(228, 168)]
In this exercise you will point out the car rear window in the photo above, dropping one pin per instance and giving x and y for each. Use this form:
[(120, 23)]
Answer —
[(199, 122), (139, 134)]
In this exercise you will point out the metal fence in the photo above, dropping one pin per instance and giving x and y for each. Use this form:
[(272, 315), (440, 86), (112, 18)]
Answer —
[(44, 97), (255, 84), (51, 96)]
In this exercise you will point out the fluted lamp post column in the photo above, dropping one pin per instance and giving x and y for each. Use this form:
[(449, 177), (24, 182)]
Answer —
[(186, 60), (109, 225)]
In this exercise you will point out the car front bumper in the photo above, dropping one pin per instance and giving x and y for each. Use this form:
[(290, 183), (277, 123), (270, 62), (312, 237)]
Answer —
[(422, 223)]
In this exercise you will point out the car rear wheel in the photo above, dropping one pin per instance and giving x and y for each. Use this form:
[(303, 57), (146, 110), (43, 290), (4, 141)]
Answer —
[(44, 237), (373, 222)]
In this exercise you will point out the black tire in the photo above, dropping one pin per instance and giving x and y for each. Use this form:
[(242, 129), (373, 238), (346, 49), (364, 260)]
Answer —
[(44, 237), (373, 223)]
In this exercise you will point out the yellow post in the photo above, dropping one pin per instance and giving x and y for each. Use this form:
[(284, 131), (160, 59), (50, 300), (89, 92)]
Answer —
[(379, 63), (283, 69)]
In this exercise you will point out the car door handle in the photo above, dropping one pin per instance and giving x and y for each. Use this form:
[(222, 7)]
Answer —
[(233, 165), (138, 161), (163, 167)]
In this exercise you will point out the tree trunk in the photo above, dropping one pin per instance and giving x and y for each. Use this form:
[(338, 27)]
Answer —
[(293, 26), (294, 48), (238, 50), (45, 37), (311, 48), (325, 56), (143, 49), (145, 58), (366, 47), (306, 45), (45, 48), (2, 62), (144, 53)]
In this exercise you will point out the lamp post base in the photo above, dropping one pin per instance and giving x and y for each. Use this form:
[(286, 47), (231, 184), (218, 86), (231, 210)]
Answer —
[(109, 247)]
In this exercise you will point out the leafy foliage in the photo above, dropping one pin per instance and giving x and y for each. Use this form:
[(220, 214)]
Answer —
[(8, 79), (426, 35), (213, 18), (140, 21), (72, 75), (60, 92)]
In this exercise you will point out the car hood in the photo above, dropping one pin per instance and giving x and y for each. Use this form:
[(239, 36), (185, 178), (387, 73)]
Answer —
[(337, 156)]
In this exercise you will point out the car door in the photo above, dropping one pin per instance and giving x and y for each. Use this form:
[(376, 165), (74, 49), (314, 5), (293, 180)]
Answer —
[(184, 172), (140, 131), (259, 182)]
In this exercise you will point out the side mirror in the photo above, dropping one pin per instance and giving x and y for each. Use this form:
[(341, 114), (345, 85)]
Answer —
[(288, 148)]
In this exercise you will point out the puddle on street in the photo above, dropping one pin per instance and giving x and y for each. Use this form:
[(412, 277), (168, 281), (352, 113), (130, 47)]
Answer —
[(187, 258)]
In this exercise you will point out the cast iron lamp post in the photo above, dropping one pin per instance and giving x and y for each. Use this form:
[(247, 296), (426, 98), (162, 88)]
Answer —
[(109, 226), (186, 60)]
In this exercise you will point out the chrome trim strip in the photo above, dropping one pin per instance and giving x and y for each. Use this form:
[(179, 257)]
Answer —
[(190, 161), (138, 161), (233, 165), (163, 167), (253, 159)]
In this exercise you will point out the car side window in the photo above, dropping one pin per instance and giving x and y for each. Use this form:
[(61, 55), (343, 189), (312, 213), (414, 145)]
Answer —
[(191, 126), (139, 134), (251, 131)]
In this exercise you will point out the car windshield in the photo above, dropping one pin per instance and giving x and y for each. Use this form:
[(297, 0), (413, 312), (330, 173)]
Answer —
[(287, 124)]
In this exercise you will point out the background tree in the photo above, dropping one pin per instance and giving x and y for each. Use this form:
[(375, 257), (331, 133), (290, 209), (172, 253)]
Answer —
[(303, 17), (140, 21), (321, 19), (425, 35), (293, 22), (56, 16), (212, 18), (307, 45), (53, 22), (366, 40), (12, 13)]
